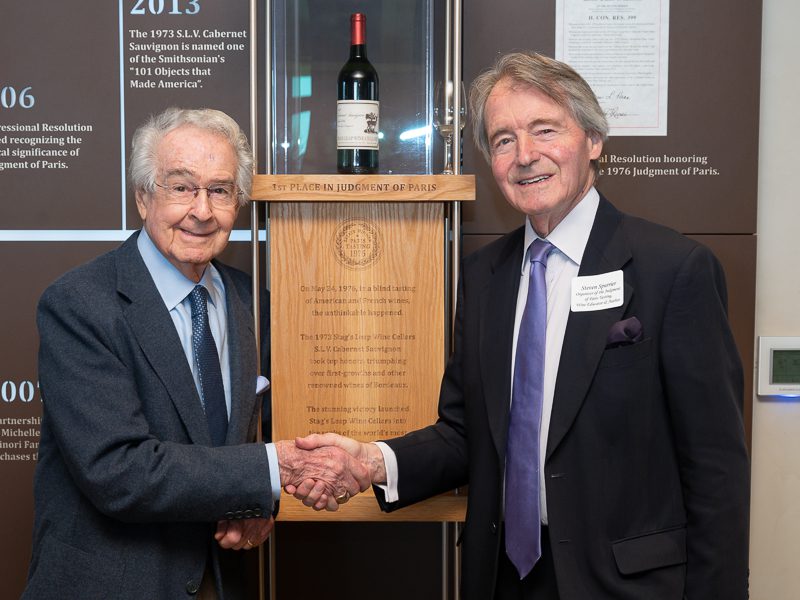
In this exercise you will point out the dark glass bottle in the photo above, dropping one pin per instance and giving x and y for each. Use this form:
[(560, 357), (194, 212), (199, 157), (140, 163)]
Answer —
[(357, 108)]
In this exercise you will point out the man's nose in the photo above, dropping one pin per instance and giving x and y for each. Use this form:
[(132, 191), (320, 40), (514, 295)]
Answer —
[(527, 150), (201, 204)]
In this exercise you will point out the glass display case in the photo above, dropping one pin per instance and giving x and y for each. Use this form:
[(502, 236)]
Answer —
[(311, 42), (307, 45)]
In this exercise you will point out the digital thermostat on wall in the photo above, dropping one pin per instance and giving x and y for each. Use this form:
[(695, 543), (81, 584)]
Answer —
[(779, 367)]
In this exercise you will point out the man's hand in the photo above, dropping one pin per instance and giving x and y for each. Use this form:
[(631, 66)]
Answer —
[(334, 473), (367, 455), (243, 534)]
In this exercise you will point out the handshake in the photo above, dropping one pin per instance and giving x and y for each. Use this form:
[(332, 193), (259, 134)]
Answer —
[(326, 470), (322, 470)]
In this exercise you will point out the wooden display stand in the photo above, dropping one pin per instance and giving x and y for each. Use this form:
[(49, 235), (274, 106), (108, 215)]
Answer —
[(357, 314)]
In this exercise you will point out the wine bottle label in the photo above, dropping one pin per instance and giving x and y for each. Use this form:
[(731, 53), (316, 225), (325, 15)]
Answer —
[(357, 124)]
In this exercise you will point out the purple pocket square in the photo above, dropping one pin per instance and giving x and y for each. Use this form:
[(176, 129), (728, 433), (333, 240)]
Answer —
[(627, 331)]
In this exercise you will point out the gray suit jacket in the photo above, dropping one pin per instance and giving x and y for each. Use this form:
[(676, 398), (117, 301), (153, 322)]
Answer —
[(647, 473), (128, 487)]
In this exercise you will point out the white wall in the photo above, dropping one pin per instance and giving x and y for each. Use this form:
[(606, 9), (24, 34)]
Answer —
[(775, 515)]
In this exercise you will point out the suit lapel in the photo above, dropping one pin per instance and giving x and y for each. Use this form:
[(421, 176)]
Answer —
[(241, 352), (585, 336), (498, 303), (155, 332)]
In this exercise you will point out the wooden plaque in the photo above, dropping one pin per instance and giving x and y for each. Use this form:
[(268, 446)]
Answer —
[(357, 317), (357, 314), (363, 507)]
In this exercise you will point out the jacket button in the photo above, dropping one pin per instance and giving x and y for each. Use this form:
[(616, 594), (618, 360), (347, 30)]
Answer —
[(192, 586), (493, 527)]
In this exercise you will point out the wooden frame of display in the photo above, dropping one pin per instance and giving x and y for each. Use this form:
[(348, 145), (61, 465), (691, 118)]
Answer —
[(357, 314)]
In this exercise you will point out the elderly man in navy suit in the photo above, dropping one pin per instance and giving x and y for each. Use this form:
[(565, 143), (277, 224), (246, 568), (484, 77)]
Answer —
[(593, 402), (149, 474)]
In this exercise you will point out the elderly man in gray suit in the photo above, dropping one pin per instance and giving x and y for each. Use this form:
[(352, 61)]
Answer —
[(148, 475)]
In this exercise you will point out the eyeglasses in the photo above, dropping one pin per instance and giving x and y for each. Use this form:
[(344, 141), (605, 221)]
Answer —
[(220, 195)]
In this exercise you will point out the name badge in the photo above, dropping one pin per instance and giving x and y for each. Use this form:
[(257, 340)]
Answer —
[(597, 292)]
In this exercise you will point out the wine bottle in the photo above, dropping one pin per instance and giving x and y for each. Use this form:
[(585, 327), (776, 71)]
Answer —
[(357, 107)]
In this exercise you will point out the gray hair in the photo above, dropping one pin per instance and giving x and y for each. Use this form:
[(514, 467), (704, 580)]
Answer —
[(148, 136), (557, 80)]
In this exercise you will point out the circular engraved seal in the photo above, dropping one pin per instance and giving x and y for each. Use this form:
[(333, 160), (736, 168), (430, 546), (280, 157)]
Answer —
[(357, 243)]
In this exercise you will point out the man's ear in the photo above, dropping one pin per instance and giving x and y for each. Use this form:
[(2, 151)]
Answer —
[(142, 202), (596, 148)]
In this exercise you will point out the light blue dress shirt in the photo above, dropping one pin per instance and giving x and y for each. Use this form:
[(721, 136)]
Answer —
[(174, 288)]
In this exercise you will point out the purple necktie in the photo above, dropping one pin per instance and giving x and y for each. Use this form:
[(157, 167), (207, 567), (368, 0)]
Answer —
[(522, 518), (206, 358)]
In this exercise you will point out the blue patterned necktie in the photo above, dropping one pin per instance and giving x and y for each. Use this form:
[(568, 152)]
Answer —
[(522, 512), (206, 359)]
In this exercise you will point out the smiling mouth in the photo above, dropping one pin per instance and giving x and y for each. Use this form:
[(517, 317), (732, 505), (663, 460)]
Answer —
[(532, 180), (197, 234)]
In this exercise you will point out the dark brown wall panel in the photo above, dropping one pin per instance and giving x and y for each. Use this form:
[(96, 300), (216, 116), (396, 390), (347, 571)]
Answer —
[(714, 77)]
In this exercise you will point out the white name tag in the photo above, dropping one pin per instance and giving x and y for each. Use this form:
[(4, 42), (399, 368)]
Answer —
[(597, 292)]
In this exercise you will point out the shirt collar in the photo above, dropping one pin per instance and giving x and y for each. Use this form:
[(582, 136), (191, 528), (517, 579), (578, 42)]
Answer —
[(572, 233), (172, 285)]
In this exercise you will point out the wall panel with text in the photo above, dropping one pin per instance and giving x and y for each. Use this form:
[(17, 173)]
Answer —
[(698, 173), (76, 79)]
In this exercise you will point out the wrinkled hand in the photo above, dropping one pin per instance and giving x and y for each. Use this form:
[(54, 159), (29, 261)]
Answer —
[(243, 534), (334, 472), (367, 455)]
